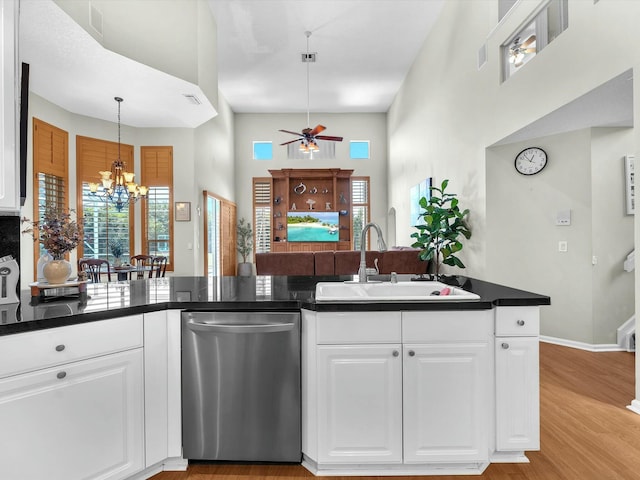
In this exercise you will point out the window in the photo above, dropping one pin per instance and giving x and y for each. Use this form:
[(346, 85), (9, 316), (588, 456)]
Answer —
[(360, 208), (103, 224), (262, 151), (262, 214), (50, 166), (359, 149), (157, 214), (529, 41), (157, 232)]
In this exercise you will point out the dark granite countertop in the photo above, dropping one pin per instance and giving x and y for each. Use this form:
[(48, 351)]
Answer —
[(281, 293)]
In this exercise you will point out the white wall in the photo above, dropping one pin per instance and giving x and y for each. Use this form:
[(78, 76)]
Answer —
[(457, 111), (264, 127)]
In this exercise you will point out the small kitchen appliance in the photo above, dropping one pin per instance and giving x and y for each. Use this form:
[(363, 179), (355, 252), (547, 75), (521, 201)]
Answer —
[(9, 278)]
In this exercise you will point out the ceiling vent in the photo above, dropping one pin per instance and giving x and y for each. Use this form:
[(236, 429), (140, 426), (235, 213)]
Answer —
[(308, 57), (192, 99), (95, 19)]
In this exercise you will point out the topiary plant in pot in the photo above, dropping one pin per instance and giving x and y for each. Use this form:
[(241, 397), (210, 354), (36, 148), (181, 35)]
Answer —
[(444, 224), (244, 244)]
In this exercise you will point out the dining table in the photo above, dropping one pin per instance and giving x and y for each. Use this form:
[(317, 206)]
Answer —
[(123, 271)]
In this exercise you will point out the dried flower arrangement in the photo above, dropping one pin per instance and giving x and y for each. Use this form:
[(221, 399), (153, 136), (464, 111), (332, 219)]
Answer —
[(58, 232)]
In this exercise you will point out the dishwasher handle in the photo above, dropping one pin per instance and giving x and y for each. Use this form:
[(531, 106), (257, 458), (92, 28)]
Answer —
[(239, 328)]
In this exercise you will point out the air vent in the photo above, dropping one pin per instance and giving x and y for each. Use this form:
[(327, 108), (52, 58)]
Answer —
[(191, 98), (482, 56), (308, 57), (95, 19)]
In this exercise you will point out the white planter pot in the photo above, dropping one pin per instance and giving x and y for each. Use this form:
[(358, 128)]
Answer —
[(245, 269)]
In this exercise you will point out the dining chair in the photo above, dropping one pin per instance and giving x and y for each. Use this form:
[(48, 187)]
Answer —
[(143, 263), (159, 266), (93, 267)]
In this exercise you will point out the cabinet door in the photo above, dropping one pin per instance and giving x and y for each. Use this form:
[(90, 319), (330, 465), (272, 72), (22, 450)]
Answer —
[(9, 169), (445, 400), (517, 394), (360, 404), (78, 420)]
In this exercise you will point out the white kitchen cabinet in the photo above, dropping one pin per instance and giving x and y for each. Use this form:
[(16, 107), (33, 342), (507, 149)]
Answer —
[(78, 420), (360, 404), (77, 412), (9, 170), (517, 379), (414, 407), (444, 402)]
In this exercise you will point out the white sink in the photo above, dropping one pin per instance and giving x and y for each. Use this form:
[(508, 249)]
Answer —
[(390, 292)]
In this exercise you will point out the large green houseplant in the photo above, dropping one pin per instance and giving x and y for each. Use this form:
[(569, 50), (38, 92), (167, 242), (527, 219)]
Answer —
[(244, 244), (443, 226)]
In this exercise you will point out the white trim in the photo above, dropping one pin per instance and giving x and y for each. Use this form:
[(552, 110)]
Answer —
[(395, 469), (508, 457), (600, 347), (624, 334), (635, 406)]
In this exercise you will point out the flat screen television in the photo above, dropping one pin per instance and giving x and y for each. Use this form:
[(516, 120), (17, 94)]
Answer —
[(313, 226)]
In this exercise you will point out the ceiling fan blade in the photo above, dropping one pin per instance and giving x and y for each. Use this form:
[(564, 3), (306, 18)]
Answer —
[(328, 137), (292, 133), (529, 50), (529, 41), (291, 141), (317, 130)]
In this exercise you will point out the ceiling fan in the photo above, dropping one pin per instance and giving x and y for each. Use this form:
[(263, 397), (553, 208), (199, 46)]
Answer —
[(518, 50), (309, 136)]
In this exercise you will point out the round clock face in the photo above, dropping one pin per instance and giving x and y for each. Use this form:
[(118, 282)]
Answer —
[(530, 161)]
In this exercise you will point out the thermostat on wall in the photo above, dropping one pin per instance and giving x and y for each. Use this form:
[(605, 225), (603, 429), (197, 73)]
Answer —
[(563, 217)]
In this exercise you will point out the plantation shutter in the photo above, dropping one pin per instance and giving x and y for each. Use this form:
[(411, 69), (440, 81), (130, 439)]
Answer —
[(262, 214)]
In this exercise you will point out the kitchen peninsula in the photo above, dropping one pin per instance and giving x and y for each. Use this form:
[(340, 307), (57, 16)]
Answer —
[(462, 375)]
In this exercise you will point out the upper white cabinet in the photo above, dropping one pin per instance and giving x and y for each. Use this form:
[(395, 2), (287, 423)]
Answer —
[(9, 165)]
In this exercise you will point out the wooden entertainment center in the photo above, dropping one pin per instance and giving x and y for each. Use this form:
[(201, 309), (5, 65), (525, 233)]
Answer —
[(321, 189)]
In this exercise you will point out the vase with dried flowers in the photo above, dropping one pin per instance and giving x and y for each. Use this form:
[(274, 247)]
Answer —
[(59, 234)]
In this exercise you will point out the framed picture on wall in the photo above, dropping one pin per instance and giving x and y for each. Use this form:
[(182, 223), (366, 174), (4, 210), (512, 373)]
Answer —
[(423, 189), (183, 211), (629, 174)]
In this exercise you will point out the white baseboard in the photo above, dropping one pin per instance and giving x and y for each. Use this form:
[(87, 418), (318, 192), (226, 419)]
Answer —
[(600, 347), (635, 406)]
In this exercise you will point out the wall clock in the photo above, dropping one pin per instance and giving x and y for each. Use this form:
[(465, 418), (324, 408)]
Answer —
[(531, 161)]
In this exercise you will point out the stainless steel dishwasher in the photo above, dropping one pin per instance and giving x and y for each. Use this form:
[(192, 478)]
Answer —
[(241, 386)]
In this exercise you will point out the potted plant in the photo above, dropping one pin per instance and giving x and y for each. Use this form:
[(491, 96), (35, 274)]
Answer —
[(59, 234), (444, 223), (116, 250), (244, 243)]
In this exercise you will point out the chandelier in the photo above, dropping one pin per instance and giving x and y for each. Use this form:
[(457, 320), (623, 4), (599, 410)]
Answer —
[(117, 186)]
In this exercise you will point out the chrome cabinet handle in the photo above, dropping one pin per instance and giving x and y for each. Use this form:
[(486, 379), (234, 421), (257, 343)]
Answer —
[(505, 346), (61, 375), (396, 353), (60, 348), (520, 322), (412, 353)]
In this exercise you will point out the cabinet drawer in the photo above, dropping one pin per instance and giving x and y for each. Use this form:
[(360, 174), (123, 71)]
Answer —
[(34, 350), (517, 321), (358, 327), (447, 326)]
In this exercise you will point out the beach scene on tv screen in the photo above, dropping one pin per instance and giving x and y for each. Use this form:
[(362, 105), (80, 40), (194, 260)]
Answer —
[(310, 226)]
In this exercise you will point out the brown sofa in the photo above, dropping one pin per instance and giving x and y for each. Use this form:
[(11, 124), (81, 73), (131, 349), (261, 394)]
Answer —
[(341, 262)]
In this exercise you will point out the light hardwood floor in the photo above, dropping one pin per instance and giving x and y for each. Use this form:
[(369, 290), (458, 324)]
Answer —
[(586, 431)]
